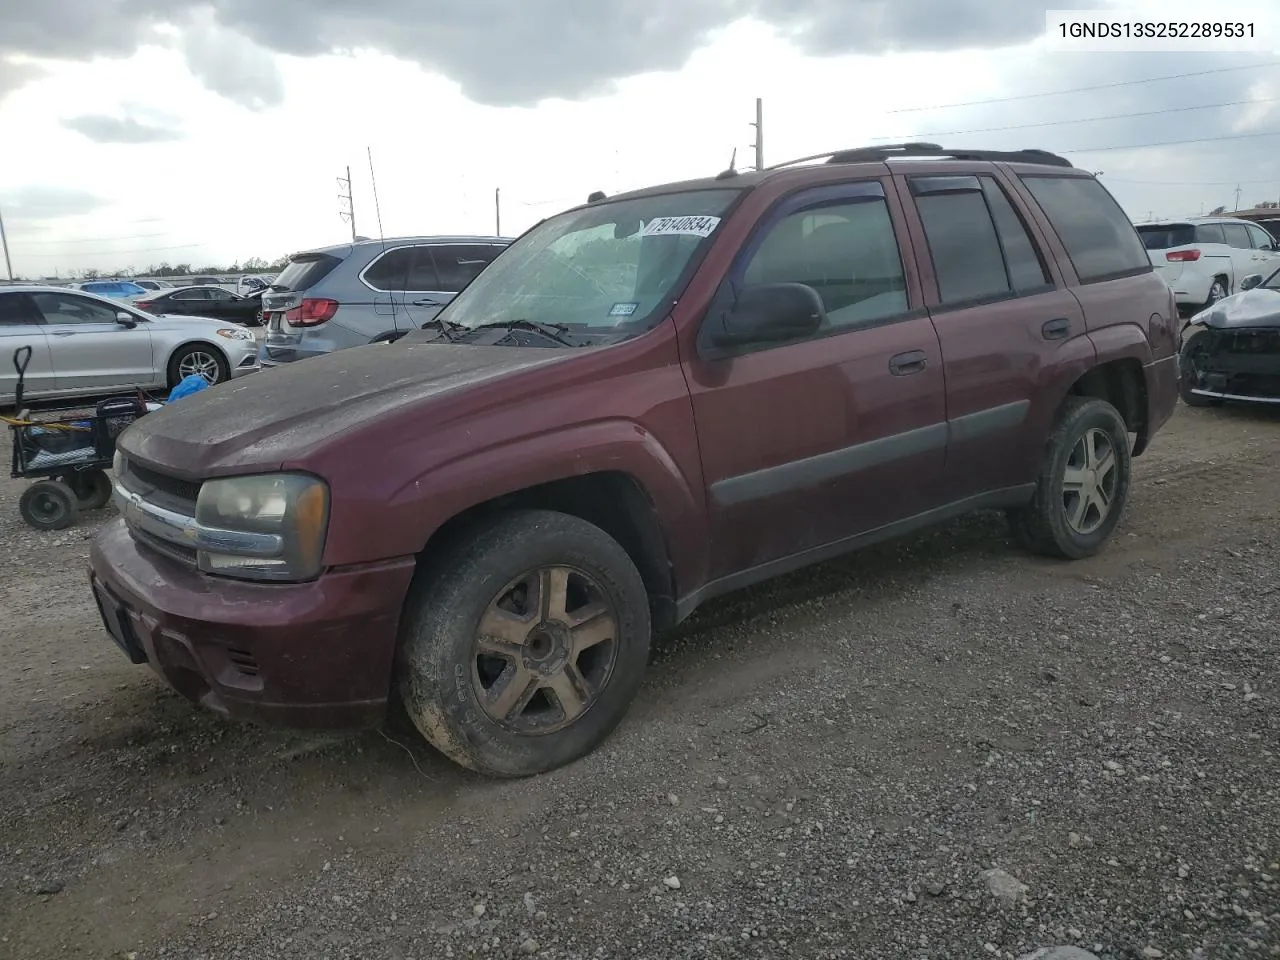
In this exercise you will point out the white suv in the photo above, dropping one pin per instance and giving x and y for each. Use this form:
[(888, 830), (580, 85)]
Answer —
[(1205, 258)]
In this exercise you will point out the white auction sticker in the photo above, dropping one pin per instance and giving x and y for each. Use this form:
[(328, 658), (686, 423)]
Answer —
[(683, 226), (1168, 27)]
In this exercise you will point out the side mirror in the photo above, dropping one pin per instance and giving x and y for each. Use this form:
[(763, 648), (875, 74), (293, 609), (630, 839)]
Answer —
[(1251, 281), (768, 313), (126, 319)]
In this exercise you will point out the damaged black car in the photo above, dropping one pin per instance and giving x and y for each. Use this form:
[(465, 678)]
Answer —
[(1231, 350)]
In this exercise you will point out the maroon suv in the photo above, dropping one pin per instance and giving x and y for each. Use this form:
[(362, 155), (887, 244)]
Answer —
[(643, 403)]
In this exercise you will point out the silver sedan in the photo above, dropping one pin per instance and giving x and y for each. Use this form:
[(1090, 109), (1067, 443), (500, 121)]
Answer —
[(86, 345)]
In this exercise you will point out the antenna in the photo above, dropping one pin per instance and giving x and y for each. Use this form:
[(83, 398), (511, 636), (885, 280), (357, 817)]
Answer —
[(376, 205), (733, 159)]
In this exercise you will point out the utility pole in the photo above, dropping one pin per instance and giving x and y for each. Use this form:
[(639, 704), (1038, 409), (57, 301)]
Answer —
[(497, 211), (4, 242), (350, 212), (759, 125), (1238, 191)]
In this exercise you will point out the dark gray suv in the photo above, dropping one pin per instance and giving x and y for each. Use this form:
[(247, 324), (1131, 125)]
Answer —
[(356, 293)]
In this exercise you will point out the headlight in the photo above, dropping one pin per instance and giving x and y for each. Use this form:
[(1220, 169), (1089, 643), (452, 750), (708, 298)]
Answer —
[(235, 333), (274, 526)]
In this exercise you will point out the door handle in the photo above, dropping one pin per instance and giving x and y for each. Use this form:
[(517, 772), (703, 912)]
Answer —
[(427, 302), (905, 364), (1058, 329)]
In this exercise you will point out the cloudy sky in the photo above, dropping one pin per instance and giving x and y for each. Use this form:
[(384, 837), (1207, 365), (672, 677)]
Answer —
[(143, 131)]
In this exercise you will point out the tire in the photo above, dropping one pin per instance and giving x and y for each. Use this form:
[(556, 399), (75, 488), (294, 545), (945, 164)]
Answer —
[(92, 489), (199, 358), (445, 681), (49, 505), (1187, 372), (1051, 524), (1217, 290)]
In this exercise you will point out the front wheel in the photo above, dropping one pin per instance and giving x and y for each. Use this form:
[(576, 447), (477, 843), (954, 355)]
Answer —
[(523, 649), (1083, 484), (198, 359)]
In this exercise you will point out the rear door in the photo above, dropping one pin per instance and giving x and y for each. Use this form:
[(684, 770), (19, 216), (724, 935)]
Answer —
[(21, 326), (438, 273), (1004, 321), (90, 350), (1243, 254), (388, 277)]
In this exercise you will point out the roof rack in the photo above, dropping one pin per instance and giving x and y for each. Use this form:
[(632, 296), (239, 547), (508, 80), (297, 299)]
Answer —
[(889, 151)]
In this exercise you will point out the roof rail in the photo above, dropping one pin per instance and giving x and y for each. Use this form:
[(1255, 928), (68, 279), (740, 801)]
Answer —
[(890, 151)]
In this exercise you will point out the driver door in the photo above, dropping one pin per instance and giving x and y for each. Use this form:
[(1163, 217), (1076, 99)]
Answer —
[(90, 349)]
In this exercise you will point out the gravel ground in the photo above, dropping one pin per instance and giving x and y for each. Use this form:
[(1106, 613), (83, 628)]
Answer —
[(937, 749)]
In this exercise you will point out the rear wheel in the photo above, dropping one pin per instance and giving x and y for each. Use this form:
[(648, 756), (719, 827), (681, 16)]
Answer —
[(49, 505), (199, 359), (523, 651), (1083, 484), (1194, 350)]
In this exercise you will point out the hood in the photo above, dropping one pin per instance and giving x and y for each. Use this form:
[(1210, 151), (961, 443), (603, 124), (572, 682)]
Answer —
[(280, 414), (1254, 309)]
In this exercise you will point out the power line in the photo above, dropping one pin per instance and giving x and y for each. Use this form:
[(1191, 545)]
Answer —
[(1058, 123), (1174, 143), (1192, 183), (1099, 86)]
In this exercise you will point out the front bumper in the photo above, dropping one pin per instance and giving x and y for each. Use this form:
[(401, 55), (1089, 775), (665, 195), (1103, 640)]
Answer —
[(1240, 364), (309, 655)]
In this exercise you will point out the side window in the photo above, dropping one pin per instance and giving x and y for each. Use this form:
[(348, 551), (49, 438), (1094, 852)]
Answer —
[(391, 270), (963, 243), (1237, 236), (846, 251), (217, 293), (1098, 236), (17, 310), (1209, 233), (1261, 239), (459, 265), (422, 271), (196, 294), (1027, 271), (64, 308)]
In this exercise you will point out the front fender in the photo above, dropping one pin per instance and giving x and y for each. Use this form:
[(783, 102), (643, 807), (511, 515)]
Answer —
[(418, 508)]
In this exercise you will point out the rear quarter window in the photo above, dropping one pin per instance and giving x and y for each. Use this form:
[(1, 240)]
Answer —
[(1100, 240)]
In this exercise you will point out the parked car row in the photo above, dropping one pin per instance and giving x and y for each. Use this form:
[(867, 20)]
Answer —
[(83, 344)]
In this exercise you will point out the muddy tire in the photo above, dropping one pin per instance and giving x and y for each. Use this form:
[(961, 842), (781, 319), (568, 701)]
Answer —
[(1195, 345), (1083, 484), (522, 649), (1217, 291)]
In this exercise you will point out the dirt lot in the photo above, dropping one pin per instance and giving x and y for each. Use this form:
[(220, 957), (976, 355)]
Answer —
[(827, 766)]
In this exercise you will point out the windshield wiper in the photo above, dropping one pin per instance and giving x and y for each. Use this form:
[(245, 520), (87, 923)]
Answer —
[(552, 331), (444, 326)]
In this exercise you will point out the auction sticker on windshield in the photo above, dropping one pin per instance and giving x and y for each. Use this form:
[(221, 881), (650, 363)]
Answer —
[(680, 226), (623, 309)]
